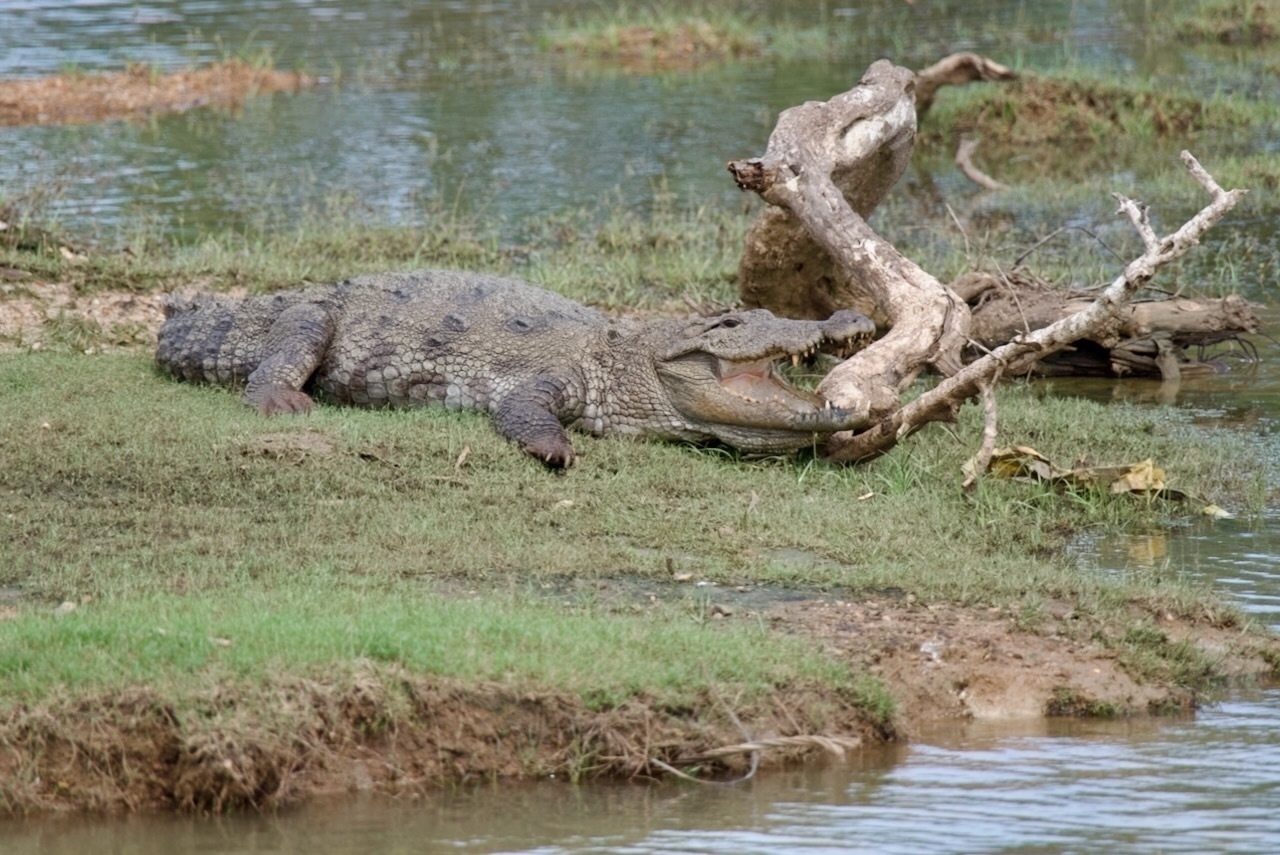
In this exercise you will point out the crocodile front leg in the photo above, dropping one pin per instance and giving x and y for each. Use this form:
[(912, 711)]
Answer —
[(292, 351), (529, 417)]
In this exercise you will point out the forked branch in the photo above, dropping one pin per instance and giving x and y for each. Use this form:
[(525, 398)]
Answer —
[(944, 400)]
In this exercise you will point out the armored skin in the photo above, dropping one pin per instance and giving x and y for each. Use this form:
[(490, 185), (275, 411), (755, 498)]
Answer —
[(537, 362)]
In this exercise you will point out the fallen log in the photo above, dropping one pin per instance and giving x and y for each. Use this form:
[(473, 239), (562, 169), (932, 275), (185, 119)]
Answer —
[(1017, 356), (1167, 336)]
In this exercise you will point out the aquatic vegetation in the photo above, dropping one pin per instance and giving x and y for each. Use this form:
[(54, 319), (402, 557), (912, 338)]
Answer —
[(139, 91), (1063, 111), (1229, 22)]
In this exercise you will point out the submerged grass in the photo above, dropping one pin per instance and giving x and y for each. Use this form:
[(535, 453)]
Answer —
[(1228, 22)]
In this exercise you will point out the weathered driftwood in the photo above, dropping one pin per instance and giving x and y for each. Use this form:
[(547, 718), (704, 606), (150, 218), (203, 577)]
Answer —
[(943, 401), (854, 141), (955, 70), (1158, 338), (964, 160), (861, 140), (783, 267)]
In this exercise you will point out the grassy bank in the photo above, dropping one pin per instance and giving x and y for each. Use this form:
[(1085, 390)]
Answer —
[(161, 534), (245, 609)]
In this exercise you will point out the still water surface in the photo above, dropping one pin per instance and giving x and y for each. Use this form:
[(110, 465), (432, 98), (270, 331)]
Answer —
[(447, 101), (453, 104)]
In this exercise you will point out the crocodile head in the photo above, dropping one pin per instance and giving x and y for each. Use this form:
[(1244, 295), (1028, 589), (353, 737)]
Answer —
[(720, 373)]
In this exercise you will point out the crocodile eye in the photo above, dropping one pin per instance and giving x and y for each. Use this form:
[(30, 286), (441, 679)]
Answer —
[(728, 323)]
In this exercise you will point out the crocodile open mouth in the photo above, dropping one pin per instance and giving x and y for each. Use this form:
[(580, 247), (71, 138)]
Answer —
[(761, 380), (755, 381)]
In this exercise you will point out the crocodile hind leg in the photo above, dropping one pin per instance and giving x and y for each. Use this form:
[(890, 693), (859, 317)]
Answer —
[(291, 353), (528, 417)]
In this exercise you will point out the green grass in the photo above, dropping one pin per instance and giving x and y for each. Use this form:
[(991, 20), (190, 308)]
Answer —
[(1228, 22), (665, 34), (1089, 117), (173, 515), (613, 258), (315, 619)]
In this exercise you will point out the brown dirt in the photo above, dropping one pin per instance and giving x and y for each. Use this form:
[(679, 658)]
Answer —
[(33, 313), (138, 92), (942, 661), (29, 311), (378, 729)]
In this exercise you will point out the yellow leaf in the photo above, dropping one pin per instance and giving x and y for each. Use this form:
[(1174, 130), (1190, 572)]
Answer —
[(1141, 477), (1217, 513)]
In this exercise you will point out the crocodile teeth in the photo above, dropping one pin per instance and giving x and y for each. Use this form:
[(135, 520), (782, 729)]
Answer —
[(795, 359)]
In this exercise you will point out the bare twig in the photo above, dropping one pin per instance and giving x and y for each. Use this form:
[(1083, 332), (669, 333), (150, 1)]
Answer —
[(835, 745), (964, 160), (944, 400), (990, 431)]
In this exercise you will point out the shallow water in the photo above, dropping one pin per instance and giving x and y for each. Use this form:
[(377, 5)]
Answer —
[(1141, 786), (448, 102), (452, 105)]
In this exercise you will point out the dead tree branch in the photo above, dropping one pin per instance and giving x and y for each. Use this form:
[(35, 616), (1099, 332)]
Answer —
[(944, 400), (964, 160), (867, 131), (956, 70)]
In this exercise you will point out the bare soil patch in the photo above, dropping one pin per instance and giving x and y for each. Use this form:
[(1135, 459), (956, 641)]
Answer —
[(942, 661), (263, 746), (39, 315), (139, 91), (31, 313)]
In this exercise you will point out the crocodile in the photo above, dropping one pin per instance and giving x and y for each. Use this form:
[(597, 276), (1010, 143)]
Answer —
[(535, 360)]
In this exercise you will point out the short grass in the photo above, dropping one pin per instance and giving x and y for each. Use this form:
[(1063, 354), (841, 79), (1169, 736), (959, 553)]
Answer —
[(195, 537), (665, 35), (613, 258)]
